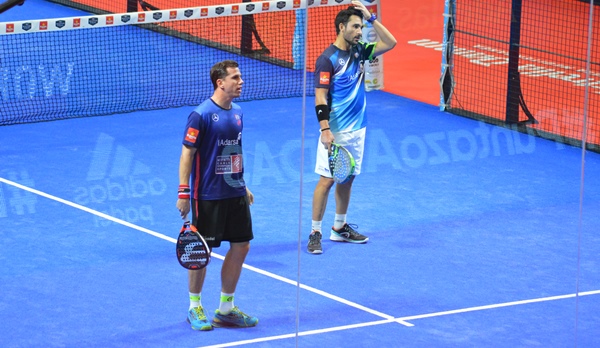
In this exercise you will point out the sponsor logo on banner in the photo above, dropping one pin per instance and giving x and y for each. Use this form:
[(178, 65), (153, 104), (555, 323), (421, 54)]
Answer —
[(339, 1), (250, 7), (10, 28), (125, 18), (324, 78), (118, 184), (203, 12), (173, 15), (60, 24), (93, 21), (219, 10), (44, 25), (324, 2), (371, 1), (26, 26), (311, 2), (372, 36), (297, 3), (157, 16), (76, 22), (265, 6), (372, 9), (141, 17), (110, 20), (281, 4), (188, 13), (235, 9)]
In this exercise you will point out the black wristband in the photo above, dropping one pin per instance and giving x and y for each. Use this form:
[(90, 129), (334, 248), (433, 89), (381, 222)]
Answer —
[(322, 112), (324, 129)]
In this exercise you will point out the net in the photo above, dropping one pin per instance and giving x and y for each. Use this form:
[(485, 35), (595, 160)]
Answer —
[(525, 64), (113, 63)]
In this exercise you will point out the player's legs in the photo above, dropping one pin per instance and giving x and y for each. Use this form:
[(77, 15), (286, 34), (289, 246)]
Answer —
[(342, 196), (196, 280), (229, 315), (320, 197), (238, 231), (342, 231), (196, 313), (232, 266)]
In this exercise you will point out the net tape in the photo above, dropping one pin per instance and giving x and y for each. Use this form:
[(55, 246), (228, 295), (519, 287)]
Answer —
[(159, 16)]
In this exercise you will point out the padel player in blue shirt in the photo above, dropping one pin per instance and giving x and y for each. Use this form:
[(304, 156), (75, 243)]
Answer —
[(341, 110), (211, 184)]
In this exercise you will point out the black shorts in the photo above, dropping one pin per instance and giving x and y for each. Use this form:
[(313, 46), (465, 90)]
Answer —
[(223, 220)]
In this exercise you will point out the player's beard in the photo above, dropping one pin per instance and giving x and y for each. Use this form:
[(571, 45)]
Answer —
[(351, 43)]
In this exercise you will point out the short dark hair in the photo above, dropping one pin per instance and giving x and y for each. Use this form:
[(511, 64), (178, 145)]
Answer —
[(343, 17), (219, 70)]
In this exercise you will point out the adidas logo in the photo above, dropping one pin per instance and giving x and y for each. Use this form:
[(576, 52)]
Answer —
[(115, 175), (120, 162)]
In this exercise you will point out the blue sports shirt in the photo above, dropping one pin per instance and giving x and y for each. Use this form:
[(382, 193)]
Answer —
[(217, 169), (342, 72)]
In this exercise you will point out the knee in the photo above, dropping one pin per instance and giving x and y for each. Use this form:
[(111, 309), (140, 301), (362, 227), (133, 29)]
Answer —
[(325, 183), (240, 248)]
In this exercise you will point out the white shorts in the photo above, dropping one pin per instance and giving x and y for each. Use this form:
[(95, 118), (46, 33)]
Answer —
[(353, 141)]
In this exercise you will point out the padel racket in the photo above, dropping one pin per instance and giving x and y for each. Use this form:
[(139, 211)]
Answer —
[(192, 250), (341, 163)]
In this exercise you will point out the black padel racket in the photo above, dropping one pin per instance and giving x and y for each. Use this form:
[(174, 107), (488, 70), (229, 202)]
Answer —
[(341, 163), (192, 250)]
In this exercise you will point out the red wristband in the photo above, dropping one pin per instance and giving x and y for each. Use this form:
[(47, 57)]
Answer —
[(184, 192)]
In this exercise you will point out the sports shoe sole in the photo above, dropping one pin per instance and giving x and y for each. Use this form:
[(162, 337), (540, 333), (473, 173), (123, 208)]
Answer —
[(204, 328), (231, 326), (337, 238)]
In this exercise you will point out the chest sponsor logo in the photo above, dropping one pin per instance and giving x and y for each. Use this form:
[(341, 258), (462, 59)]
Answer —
[(229, 164)]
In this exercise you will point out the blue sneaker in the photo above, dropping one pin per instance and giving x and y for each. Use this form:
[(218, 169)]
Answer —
[(198, 319), (235, 318)]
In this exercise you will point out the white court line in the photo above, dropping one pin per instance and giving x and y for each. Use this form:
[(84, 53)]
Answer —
[(414, 317), (91, 211), (500, 305), (174, 240), (302, 333), (388, 318)]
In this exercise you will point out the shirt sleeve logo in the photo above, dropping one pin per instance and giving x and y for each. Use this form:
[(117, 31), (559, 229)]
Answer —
[(191, 135), (324, 78)]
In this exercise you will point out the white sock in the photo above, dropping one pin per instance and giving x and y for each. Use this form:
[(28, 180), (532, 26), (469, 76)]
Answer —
[(316, 225), (226, 304), (194, 300), (340, 221)]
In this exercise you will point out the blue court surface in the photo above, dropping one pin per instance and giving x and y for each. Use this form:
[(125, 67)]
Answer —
[(480, 236), (475, 238)]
